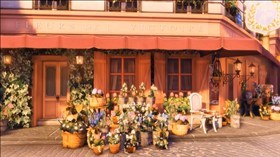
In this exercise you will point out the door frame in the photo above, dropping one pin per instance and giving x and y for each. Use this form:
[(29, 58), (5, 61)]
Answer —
[(37, 82)]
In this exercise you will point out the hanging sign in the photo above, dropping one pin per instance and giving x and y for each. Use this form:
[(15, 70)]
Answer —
[(263, 16)]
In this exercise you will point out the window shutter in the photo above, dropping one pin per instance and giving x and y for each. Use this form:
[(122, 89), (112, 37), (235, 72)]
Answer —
[(160, 71), (144, 69), (100, 74)]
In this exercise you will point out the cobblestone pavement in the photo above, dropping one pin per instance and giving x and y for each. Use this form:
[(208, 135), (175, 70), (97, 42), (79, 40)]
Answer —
[(258, 146)]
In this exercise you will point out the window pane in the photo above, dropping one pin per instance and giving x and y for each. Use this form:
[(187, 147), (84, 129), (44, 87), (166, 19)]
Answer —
[(173, 82), (115, 65), (186, 66), (129, 65), (186, 82), (63, 80), (50, 81), (129, 80), (173, 66), (115, 82)]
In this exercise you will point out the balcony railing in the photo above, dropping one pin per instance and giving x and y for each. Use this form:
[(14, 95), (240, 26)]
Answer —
[(123, 5), (53, 4), (191, 6)]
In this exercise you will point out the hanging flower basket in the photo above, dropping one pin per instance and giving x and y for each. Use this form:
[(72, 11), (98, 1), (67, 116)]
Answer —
[(114, 148), (179, 129), (73, 140)]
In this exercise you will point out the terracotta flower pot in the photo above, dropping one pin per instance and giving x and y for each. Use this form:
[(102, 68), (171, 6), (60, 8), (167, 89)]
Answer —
[(114, 148), (130, 149), (98, 150)]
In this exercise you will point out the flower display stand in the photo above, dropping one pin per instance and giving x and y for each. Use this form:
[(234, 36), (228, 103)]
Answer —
[(275, 116), (73, 140), (180, 130)]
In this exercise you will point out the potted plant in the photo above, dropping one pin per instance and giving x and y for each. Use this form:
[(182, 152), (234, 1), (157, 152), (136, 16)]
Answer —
[(95, 140), (264, 112), (97, 99), (232, 108), (180, 125), (74, 126), (114, 141), (131, 141), (5, 113), (275, 112), (146, 130), (133, 94), (122, 96), (142, 88), (160, 133), (151, 97)]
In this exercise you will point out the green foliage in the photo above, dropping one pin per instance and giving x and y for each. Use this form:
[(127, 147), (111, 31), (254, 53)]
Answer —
[(16, 101), (231, 108)]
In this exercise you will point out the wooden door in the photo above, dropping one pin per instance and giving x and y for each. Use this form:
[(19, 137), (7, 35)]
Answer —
[(55, 79)]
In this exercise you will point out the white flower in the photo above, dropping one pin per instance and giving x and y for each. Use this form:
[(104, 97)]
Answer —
[(133, 132), (183, 118), (277, 108), (99, 91), (177, 117), (94, 91)]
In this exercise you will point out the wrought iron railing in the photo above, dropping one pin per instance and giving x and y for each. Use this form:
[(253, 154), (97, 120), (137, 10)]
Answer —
[(191, 6), (123, 5), (53, 4), (131, 5)]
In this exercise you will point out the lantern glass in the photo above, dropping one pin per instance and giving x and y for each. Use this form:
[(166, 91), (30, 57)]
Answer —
[(237, 66), (80, 59), (252, 68), (7, 59)]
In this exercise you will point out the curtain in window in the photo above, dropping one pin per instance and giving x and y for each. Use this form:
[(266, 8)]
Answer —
[(115, 71)]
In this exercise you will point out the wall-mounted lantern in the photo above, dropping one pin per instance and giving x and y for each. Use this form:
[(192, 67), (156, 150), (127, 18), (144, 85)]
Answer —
[(7, 59)]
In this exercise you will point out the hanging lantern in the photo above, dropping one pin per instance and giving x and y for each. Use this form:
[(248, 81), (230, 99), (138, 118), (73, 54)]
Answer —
[(252, 69), (79, 60), (7, 59), (237, 66)]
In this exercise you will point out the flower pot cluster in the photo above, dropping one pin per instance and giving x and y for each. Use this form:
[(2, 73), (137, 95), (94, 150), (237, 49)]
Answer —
[(124, 122)]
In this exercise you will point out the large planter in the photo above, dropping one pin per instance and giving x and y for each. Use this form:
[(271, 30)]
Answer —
[(73, 140), (3, 124), (145, 138), (98, 150), (96, 102), (114, 148), (235, 121), (130, 149), (180, 130), (275, 116)]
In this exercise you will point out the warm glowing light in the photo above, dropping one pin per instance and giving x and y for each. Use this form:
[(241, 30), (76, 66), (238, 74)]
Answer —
[(7, 59), (80, 59), (263, 16)]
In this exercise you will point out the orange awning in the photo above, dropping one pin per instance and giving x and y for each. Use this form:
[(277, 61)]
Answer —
[(228, 46)]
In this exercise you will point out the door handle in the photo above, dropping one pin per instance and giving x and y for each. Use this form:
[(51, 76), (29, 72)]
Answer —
[(57, 97)]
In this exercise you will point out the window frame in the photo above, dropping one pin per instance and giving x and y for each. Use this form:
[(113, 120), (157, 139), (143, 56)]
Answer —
[(179, 74), (122, 74)]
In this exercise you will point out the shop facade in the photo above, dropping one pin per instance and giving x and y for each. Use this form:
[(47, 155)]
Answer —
[(171, 50)]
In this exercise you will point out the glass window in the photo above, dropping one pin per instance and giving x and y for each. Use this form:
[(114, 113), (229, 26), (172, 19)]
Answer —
[(121, 70), (179, 75), (50, 80)]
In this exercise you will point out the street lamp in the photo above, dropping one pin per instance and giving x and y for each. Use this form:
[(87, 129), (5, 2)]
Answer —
[(252, 69), (237, 67), (229, 77)]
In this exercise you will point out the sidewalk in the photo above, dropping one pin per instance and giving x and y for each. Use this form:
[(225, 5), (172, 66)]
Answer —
[(51, 134)]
